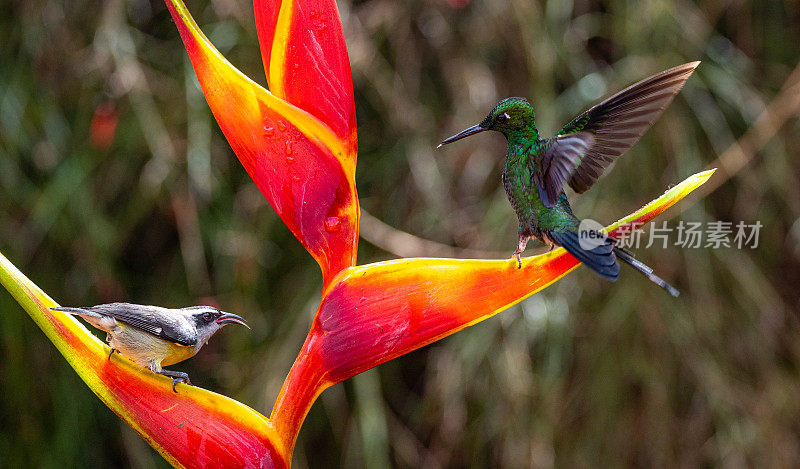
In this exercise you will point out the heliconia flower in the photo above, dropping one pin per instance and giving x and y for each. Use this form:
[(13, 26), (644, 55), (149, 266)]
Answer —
[(298, 143)]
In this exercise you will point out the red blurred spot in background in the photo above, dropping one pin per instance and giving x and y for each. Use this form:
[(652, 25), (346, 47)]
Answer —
[(104, 126)]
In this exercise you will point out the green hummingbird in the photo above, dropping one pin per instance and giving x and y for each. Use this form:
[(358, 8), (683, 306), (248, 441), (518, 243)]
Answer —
[(536, 168)]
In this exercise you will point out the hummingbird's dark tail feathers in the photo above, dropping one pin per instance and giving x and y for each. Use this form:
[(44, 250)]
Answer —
[(627, 256), (601, 259)]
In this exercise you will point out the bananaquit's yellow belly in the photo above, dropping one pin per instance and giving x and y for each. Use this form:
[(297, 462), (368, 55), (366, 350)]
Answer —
[(146, 349), (178, 353)]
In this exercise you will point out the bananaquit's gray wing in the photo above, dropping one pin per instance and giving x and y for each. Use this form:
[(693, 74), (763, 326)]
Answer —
[(161, 322)]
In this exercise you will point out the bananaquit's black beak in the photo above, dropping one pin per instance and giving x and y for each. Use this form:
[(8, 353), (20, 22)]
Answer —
[(464, 133), (228, 318)]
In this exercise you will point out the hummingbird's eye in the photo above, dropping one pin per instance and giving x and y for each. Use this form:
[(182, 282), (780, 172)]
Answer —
[(207, 317), (501, 119)]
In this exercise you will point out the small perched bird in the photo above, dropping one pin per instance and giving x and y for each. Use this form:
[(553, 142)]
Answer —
[(537, 168), (152, 336)]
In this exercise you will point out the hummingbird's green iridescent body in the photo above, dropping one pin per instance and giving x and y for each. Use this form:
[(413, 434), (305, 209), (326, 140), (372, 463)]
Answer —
[(524, 160), (518, 174), (536, 169)]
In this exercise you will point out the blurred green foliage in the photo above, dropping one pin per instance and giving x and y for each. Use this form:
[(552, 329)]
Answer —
[(585, 372)]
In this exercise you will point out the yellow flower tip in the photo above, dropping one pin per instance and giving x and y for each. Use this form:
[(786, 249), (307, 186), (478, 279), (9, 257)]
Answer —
[(705, 175)]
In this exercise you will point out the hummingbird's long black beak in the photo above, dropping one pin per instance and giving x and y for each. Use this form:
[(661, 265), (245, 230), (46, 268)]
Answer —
[(464, 133), (229, 318)]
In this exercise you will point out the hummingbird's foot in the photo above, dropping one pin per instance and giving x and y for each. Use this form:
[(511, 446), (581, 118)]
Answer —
[(112, 352), (523, 241), (179, 376)]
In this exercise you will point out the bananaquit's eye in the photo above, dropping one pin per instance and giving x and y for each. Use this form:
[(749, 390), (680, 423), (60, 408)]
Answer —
[(207, 317)]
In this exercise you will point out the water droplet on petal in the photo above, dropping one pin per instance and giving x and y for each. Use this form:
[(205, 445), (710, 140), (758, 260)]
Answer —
[(317, 21), (268, 131), (289, 159), (332, 224), (288, 148), (295, 177), (281, 126)]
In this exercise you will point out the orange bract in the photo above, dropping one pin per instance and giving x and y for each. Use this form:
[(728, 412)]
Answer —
[(192, 428), (301, 164), (377, 312)]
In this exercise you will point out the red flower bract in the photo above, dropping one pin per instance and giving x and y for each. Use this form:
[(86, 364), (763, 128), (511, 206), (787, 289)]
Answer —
[(298, 143), (193, 428), (304, 165), (305, 58)]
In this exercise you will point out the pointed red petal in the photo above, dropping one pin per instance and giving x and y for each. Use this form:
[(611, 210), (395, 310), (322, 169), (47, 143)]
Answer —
[(305, 58), (377, 312), (303, 169), (193, 428)]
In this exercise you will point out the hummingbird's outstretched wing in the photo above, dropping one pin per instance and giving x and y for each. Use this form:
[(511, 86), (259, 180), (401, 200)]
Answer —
[(558, 163), (616, 124), (143, 317)]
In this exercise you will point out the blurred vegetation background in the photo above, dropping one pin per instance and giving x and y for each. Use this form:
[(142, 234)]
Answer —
[(116, 184)]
